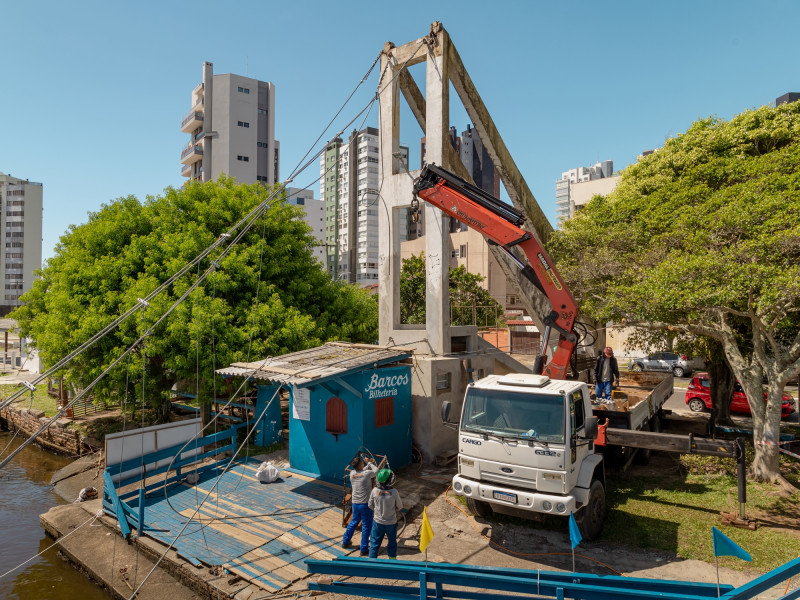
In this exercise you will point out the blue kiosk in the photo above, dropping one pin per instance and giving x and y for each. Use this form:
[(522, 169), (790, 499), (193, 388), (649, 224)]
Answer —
[(343, 397)]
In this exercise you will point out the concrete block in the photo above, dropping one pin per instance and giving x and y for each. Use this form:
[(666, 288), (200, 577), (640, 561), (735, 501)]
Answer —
[(36, 413), (63, 422)]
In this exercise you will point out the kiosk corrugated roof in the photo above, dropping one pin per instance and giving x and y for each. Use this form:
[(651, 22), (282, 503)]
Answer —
[(317, 364)]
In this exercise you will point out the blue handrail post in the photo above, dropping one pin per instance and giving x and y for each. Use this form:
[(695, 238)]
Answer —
[(108, 488), (141, 512), (423, 585)]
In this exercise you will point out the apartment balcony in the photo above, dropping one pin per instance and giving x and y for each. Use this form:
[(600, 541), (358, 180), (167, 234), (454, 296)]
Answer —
[(186, 171), (192, 120), (191, 154)]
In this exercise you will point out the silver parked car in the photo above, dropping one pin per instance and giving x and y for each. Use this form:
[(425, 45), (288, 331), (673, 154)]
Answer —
[(662, 361)]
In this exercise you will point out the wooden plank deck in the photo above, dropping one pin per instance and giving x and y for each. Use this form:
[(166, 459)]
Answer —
[(261, 532)]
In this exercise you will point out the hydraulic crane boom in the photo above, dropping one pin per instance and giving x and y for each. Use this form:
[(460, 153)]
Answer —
[(500, 224)]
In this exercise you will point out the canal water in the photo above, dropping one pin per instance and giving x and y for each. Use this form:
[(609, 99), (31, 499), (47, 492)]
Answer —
[(25, 493)]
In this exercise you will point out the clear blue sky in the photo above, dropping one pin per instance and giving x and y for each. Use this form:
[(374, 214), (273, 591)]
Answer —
[(92, 93)]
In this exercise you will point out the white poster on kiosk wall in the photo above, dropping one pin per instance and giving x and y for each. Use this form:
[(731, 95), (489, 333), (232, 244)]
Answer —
[(301, 403)]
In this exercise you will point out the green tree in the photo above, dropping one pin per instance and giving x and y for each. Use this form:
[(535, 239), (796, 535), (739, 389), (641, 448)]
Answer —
[(470, 304), (269, 296), (704, 236)]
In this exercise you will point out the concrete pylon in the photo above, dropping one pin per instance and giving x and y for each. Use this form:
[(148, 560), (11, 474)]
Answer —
[(446, 358)]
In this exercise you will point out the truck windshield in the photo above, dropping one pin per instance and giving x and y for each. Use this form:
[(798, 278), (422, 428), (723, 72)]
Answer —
[(514, 415)]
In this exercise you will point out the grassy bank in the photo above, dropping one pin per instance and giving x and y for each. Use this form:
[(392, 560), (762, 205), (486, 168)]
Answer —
[(41, 399)]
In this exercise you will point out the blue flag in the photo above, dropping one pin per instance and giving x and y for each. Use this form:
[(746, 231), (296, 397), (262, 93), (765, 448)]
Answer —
[(725, 546), (574, 533)]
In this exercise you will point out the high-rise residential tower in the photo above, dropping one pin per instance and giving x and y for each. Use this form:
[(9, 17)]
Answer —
[(479, 164), (231, 127), (468, 248), (349, 188), (329, 195), (21, 226), (475, 157)]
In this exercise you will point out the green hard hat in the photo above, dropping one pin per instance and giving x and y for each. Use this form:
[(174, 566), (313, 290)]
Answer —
[(384, 475)]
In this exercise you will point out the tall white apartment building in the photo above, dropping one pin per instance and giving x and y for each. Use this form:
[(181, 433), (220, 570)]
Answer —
[(314, 216), (231, 127), (349, 173), (21, 227), (565, 187)]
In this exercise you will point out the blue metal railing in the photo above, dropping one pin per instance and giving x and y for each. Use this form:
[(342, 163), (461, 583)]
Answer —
[(473, 582), (130, 515)]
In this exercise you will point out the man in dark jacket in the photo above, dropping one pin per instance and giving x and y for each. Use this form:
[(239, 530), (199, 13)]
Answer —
[(605, 371)]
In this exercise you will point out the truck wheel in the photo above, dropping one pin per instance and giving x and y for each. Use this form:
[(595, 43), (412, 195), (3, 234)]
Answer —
[(592, 515), (479, 508), (697, 405), (636, 367)]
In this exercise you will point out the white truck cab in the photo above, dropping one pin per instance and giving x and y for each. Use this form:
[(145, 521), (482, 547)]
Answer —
[(527, 441)]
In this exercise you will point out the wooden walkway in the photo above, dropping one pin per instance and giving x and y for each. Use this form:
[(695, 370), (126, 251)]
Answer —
[(261, 532)]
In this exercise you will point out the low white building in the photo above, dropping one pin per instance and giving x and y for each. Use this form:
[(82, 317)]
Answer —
[(315, 216), (573, 180)]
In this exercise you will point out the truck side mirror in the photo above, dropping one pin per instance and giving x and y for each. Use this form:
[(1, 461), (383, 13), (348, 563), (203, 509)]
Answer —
[(445, 411), (590, 428)]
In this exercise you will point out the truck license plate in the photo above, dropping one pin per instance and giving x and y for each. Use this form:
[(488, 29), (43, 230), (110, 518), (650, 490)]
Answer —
[(505, 497)]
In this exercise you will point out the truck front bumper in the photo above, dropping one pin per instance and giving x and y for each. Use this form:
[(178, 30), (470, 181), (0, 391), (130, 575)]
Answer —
[(555, 504)]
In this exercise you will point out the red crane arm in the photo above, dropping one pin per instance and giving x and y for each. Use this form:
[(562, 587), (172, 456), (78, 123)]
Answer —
[(500, 224)]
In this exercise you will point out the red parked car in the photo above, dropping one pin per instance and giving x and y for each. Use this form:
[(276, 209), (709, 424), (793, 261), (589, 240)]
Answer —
[(698, 397)]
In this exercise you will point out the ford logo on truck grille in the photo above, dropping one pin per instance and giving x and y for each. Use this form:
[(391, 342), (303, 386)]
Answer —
[(506, 470)]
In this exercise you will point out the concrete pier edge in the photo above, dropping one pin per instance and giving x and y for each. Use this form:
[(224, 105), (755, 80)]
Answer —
[(99, 551)]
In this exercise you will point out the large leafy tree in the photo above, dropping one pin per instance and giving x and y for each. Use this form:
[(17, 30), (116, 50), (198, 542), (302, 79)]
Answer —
[(269, 296), (470, 304), (703, 236)]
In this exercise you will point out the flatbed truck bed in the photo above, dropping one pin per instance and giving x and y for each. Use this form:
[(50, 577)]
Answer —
[(636, 402)]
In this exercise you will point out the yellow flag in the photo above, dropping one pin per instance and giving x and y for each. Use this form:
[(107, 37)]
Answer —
[(426, 532)]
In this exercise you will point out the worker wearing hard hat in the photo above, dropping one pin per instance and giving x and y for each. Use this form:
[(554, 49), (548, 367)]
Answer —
[(385, 502), (361, 476)]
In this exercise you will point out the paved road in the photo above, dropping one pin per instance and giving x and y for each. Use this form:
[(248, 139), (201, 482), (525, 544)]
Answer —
[(677, 401)]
